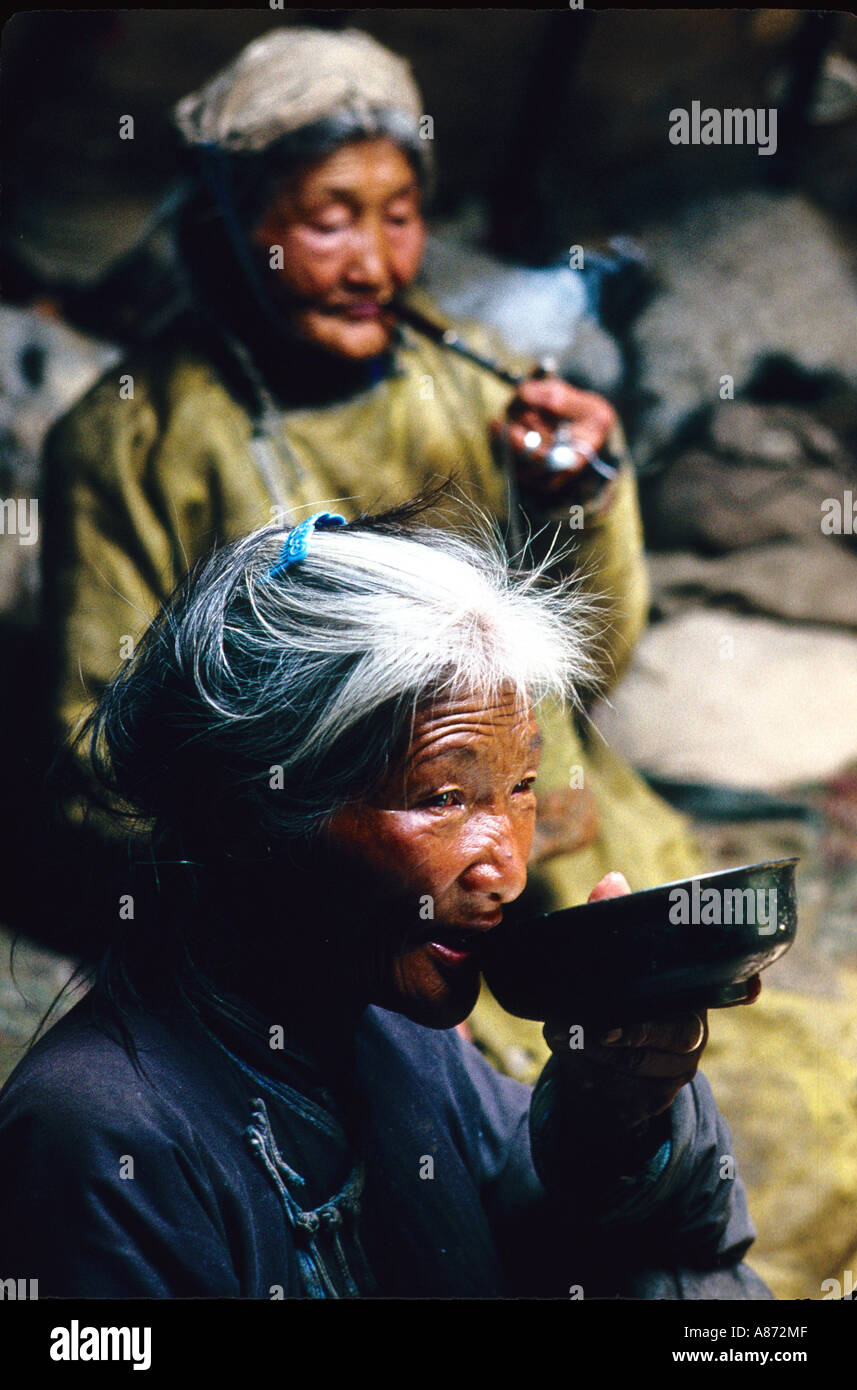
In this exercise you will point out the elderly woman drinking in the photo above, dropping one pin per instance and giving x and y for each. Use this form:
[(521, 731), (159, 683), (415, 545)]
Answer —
[(330, 735)]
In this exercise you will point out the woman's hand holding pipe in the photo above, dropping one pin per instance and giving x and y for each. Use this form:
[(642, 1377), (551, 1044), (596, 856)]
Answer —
[(540, 406)]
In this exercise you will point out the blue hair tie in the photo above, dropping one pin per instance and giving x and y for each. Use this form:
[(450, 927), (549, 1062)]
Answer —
[(297, 542)]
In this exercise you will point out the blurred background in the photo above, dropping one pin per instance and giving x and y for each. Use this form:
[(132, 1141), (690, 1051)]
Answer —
[(716, 306)]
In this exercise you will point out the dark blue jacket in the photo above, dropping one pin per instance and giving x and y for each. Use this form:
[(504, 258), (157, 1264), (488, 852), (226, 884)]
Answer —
[(214, 1166)]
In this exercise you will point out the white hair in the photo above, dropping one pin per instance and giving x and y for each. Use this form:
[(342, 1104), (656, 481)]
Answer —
[(318, 671)]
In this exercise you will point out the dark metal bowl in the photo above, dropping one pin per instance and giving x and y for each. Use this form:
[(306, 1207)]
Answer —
[(636, 957)]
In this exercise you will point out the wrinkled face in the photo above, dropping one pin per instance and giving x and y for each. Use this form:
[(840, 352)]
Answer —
[(352, 235), (446, 840)]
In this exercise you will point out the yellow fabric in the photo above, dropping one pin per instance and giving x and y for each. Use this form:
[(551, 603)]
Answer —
[(783, 1073), (149, 483)]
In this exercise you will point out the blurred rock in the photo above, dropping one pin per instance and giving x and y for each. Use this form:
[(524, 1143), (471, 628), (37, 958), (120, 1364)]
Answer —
[(754, 473), (812, 582), (744, 276), (711, 696), (44, 367), (538, 313)]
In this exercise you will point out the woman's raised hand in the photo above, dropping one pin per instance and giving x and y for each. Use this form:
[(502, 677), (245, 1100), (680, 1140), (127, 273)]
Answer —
[(630, 1072), (540, 406)]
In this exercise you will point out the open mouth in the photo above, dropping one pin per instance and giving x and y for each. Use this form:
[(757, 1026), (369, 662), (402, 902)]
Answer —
[(359, 310), (363, 311), (457, 945)]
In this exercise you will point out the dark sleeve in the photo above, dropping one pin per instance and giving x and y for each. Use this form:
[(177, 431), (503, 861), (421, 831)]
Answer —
[(678, 1228), (103, 1199)]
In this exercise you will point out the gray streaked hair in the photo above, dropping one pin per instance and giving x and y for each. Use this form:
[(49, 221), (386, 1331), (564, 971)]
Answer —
[(257, 176), (265, 704)]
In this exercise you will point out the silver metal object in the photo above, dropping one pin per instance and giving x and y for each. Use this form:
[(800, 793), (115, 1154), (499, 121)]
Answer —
[(560, 458)]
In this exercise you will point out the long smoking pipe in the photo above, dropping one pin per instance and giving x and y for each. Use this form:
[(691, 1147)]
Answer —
[(452, 340)]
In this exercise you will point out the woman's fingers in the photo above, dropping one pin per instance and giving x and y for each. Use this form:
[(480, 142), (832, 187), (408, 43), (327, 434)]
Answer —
[(637, 1045), (684, 1033), (531, 445), (612, 885), (539, 407), (629, 1084), (555, 398)]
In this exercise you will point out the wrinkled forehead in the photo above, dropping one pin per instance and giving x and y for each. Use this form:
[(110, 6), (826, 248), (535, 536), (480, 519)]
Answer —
[(473, 725), (375, 166)]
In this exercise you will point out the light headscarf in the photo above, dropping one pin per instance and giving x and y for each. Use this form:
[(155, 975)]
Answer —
[(292, 78)]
